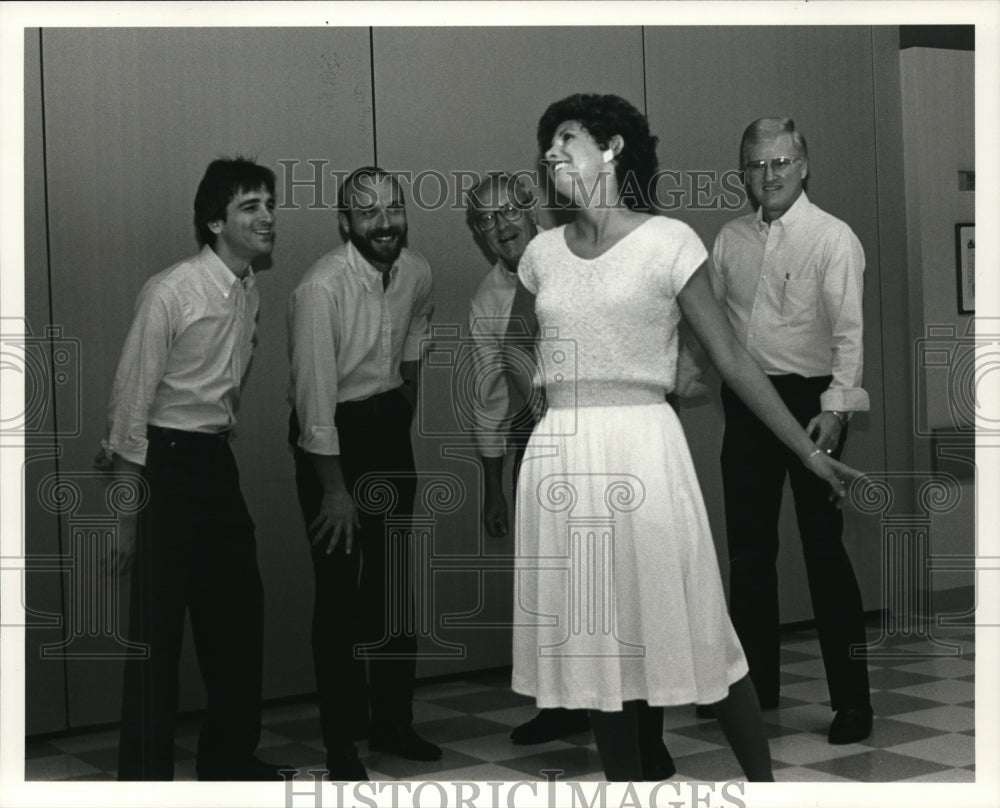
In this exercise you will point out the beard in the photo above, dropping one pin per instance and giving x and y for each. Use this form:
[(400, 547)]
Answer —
[(376, 253)]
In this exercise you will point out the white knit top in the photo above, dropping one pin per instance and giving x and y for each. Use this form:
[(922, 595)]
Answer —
[(609, 324)]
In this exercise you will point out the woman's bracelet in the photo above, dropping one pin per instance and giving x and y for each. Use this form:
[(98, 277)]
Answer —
[(813, 453)]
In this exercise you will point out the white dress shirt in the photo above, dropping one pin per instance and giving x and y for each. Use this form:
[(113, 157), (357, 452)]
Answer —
[(185, 354), (792, 290), (347, 336)]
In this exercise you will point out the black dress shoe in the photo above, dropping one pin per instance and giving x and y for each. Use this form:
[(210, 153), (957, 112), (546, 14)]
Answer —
[(344, 764), (549, 725), (252, 769), (851, 724), (656, 762), (403, 741)]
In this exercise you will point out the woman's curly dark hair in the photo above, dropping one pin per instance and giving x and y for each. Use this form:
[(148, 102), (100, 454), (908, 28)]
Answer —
[(604, 116)]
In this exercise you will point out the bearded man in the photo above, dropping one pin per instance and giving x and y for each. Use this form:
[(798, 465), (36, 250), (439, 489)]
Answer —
[(355, 322)]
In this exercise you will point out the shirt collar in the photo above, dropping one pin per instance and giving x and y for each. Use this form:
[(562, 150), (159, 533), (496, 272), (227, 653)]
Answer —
[(222, 276), (370, 277), (799, 210), (501, 269)]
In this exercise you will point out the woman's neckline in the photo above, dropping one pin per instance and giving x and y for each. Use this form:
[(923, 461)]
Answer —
[(602, 254)]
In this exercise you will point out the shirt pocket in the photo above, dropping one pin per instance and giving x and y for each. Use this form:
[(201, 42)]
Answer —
[(798, 300)]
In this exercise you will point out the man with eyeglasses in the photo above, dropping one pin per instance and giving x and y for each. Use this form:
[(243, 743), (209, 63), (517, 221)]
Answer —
[(355, 324), (502, 216), (790, 279)]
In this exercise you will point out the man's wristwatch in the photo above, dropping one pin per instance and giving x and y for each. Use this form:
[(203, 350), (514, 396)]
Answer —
[(843, 417)]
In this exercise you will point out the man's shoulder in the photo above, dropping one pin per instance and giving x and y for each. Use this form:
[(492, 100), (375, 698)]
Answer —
[(327, 267), (414, 260), (176, 277), (828, 221), (741, 223)]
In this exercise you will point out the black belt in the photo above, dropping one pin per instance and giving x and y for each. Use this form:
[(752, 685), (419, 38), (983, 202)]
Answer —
[(380, 402), (183, 437)]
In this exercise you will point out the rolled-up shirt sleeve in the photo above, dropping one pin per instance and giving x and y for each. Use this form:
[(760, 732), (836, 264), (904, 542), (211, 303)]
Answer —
[(312, 353), (423, 306), (140, 370), (842, 291)]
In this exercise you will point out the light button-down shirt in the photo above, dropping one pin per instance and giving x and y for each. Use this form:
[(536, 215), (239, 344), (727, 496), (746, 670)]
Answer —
[(185, 354), (792, 290), (347, 336)]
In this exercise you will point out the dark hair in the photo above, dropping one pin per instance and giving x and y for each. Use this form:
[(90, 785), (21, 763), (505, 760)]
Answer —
[(766, 128), (604, 116), (225, 178), (373, 173)]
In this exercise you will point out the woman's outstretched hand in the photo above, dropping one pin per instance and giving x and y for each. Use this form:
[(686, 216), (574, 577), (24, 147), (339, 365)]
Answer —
[(838, 475)]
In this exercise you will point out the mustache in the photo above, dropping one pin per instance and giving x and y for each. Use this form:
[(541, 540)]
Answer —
[(386, 231)]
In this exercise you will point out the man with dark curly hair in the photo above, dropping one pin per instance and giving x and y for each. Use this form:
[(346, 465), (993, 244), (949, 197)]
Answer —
[(192, 549)]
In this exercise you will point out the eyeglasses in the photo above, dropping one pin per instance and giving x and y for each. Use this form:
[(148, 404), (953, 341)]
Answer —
[(487, 220), (779, 165)]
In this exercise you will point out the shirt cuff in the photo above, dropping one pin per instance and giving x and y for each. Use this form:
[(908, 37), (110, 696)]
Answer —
[(132, 449), (320, 440), (845, 399)]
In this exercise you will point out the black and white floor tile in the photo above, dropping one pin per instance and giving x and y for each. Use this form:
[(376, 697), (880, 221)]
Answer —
[(924, 729)]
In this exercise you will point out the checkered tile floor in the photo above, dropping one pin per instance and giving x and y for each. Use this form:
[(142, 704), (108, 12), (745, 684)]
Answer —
[(924, 729)]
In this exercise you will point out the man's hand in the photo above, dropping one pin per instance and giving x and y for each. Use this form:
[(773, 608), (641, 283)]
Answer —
[(337, 519), (122, 554), (825, 429), (495, 513)]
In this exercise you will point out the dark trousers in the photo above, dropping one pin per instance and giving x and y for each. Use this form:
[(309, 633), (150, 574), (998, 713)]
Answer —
[(363, 613), (754, 465), (196, 552)]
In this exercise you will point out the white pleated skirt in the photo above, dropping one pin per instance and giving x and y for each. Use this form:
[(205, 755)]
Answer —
[(618, 594)]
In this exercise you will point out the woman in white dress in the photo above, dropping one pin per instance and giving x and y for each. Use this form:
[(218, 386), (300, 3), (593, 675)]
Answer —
[(619, 606)]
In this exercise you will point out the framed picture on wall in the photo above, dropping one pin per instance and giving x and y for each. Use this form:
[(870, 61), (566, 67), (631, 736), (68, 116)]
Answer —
[(965, 263)]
